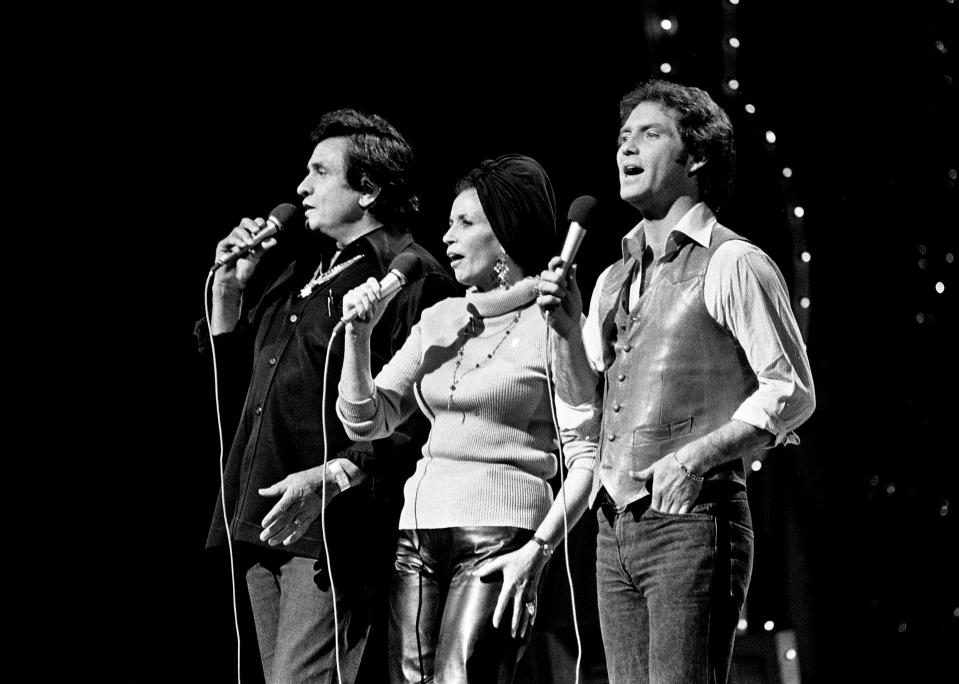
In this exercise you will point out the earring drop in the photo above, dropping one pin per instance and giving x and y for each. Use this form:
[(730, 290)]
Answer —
[(501, 269)]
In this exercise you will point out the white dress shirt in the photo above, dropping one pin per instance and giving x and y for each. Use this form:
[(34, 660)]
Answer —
[(746, 294)]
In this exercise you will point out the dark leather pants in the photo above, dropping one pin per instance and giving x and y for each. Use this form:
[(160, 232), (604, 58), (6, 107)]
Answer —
[(441, 617)]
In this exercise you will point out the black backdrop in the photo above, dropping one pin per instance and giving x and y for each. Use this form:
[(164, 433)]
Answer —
[(175, 127)]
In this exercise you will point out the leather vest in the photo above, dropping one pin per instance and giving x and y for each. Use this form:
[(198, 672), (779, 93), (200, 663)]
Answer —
[(673, 373)]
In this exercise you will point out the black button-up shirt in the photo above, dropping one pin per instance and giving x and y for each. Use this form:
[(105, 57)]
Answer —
[(281, 428)]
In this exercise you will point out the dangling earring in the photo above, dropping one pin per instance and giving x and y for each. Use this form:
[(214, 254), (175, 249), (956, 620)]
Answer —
[(501, 269)]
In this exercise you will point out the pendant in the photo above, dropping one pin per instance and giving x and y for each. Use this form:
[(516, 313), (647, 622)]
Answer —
[(321, 278)]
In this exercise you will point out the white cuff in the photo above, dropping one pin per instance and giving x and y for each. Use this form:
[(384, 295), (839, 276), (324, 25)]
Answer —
[(339, 475), (758, 418), (580, 419)]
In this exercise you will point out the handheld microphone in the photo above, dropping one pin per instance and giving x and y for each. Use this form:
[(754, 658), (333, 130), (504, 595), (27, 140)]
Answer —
[(404, 268), (579, 215), (274, 224)]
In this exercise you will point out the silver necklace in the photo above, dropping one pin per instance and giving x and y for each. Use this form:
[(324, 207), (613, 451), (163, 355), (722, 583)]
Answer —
[(459, 358), (320, 277)]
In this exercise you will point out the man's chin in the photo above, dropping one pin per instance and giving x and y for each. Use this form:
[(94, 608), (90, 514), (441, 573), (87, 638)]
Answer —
[(631, 192), (316, 228)]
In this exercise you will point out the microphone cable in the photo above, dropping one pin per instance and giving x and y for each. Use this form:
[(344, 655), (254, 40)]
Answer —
[(277, 219), (226, 518), (562, 485), (326, 546), (408, 267), (219, 431)]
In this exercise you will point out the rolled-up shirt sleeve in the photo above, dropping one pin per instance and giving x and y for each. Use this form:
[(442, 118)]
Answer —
[(580, 447), (746, 293)]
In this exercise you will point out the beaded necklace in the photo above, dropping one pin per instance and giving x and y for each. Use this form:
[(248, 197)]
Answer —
[(319, 277), (459, 357)]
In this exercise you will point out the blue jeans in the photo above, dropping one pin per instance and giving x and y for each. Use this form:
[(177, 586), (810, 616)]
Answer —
[(671, 588), (293, 613)]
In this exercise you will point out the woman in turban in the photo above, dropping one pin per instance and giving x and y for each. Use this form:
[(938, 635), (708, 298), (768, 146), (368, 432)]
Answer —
[(479, 520)]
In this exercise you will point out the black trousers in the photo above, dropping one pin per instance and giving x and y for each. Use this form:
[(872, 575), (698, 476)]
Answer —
[(441, 616)]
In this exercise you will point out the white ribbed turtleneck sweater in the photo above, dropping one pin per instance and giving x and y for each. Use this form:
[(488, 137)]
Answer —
[(490, 453)]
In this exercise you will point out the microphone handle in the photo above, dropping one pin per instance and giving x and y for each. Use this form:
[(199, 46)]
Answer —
[(269, 230), (392, 282), (574, 238)]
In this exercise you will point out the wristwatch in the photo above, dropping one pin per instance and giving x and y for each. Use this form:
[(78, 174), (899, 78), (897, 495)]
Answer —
[(543, 546)]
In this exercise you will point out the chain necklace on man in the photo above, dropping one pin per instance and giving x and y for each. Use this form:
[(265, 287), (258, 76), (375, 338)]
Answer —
[(489, 356), (320, 276)]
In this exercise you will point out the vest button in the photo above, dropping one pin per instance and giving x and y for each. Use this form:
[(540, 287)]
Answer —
[(620, 377), (611, 437), (616, 408), (294, 318)]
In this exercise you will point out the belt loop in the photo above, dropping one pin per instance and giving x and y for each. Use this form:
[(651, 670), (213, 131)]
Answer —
[(606, 505)]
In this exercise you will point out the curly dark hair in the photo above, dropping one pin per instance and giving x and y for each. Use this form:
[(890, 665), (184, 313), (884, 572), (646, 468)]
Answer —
[(377, 155), (705, 129)]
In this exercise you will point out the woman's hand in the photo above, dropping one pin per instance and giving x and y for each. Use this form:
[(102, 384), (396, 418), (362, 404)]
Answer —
[(364, 303), (521, 570)]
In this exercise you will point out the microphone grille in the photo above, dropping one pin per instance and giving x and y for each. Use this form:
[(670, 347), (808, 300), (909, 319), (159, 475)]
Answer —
[(283, 213), (408, 264), (582, 209)]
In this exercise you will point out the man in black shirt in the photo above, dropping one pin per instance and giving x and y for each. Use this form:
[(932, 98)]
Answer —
[(358, 203)]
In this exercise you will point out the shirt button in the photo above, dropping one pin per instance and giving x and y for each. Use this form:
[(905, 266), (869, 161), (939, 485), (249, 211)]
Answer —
[(611, 437), (627, 347), (616, 408), (294, 318), (259, 410), (620, 377), (273, 361)]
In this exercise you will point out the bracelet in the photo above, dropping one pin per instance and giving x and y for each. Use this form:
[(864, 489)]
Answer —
[(544, 547), (686, 471)]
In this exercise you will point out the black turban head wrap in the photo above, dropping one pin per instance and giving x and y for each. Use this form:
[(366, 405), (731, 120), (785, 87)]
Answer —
[(517, 198)]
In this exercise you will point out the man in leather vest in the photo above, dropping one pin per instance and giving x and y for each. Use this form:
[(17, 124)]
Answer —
[(702, 366)]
